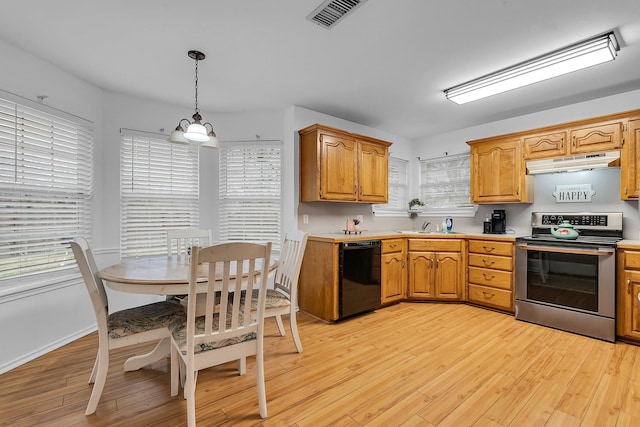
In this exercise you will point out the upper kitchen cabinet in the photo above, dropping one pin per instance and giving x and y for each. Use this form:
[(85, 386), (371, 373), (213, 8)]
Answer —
[(629, 162), (340, 166), (597, 137), (544, 145), (559, 141), (498, 172)]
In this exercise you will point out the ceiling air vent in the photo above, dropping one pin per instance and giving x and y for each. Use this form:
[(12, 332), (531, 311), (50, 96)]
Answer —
[(331, 12)]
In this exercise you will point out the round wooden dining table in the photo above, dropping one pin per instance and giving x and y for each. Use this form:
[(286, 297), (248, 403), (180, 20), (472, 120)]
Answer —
[(159, 275)]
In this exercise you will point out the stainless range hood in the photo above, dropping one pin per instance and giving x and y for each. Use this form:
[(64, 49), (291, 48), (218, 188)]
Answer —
[(574, 163)]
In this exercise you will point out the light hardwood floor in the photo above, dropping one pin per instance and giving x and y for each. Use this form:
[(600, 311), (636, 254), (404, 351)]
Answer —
[(408, 364)]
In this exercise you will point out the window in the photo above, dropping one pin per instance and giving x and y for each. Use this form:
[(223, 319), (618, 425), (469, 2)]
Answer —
[(46, 163), (159, 190), (398, 190), (250, 192), (445, 186)]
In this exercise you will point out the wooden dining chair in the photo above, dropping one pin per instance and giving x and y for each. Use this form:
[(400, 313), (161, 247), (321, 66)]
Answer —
[(281, 300), (228, 331), (182, 239), (123, 328)]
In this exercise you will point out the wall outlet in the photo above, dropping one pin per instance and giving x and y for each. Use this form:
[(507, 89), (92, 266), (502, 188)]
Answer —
[(359, 218), (305, 219)]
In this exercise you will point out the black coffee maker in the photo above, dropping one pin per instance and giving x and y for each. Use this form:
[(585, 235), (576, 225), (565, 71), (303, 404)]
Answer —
[(497, 224)]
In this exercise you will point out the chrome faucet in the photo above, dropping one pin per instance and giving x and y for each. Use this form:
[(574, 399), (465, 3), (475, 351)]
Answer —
[(425, 225)]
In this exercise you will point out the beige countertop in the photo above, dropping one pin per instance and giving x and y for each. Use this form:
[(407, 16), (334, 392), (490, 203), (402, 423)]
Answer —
[(398, 234), (628, 244)]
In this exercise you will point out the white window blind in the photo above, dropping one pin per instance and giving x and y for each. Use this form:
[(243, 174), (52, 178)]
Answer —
[(46, 163), (445, 185), (251, 192), (159, 190), (398, 189)]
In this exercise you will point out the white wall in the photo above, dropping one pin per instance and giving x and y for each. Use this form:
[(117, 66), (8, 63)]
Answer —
[(456, 140), (33, 323), (62, 314), (606, 183)]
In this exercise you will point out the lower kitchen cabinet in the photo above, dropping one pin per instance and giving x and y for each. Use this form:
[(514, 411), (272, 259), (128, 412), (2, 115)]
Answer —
[(318, 281), (628, 311), (436, 269), (491, 278), (394, 270)]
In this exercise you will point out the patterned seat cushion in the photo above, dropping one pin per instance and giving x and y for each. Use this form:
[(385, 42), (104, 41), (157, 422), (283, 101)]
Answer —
[(163, 314), (274, 299), (179, 333)]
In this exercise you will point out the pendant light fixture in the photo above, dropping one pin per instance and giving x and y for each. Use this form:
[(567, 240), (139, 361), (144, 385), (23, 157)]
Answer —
[(196, 131)]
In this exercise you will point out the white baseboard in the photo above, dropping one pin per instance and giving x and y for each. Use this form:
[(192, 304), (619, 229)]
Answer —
[(6, 367)]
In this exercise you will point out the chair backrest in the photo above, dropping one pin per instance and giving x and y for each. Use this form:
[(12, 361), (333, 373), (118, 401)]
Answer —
[(226, 262), (95, 286), (288, 269), (182, 239)]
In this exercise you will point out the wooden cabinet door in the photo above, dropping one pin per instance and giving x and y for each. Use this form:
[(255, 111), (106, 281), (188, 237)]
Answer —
[(373, 173), (629, 162), (448, 280), (394, 277), (338, 168), (422, 274), (631, 321), (596, 138), (496, 172), (544, 146)]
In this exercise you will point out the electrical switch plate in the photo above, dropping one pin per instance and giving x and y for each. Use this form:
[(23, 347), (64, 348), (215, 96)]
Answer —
[(305, 219)]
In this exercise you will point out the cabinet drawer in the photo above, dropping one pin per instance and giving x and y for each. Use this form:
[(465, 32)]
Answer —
[(487, 277), (631, 260), (491, 247), (491, 261), (435, 245), (392, 245), (489, 296)]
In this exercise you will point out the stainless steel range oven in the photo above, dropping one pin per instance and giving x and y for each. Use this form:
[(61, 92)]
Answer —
[(569, 284)]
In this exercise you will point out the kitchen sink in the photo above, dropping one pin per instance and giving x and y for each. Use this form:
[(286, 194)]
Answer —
[(426, 232)]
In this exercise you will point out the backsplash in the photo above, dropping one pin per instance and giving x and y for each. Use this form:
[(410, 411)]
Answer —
[(326, 217)]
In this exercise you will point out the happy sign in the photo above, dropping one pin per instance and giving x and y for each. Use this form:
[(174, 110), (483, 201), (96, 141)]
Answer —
[(573, 193)]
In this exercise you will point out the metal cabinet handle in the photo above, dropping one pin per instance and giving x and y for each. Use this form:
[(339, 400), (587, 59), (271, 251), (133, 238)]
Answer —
[(488, 276), (489, 294), (488, 262), (629, 286), (489, 248)]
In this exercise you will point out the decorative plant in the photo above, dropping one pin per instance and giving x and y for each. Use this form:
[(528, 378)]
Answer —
[(415, 202), (356, 221)]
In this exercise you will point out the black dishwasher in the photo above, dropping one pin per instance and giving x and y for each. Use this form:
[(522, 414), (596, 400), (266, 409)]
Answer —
[(359, 286)]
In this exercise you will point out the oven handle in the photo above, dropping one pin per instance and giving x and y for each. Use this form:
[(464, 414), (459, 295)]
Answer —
[(598, 252)]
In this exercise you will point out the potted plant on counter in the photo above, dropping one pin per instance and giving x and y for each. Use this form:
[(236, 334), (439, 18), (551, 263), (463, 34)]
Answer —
[(415, 205)]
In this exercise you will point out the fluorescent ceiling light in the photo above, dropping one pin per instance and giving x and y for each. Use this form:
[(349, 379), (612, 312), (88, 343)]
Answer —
[(563, 61)]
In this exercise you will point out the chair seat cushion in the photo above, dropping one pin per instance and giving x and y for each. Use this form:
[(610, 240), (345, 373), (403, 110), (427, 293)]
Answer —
[(274, 299), (179, 334), (163, 314)]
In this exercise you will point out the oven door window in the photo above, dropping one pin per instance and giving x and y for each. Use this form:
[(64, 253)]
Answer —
[(563, 279)]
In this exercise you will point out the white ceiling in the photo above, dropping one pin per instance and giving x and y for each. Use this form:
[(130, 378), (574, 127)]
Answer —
[(384, 66)]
